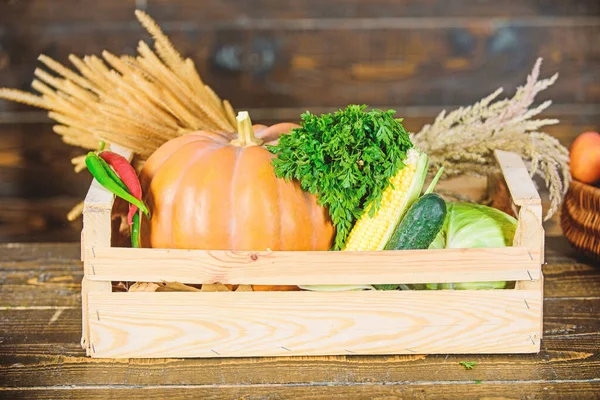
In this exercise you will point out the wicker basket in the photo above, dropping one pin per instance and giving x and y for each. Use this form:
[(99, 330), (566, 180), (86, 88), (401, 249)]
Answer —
[(580, 218)]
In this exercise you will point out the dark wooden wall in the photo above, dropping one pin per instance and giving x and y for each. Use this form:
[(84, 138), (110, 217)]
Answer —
[(278, 58)]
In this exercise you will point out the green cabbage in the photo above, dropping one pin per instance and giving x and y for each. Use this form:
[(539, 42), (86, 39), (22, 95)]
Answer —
[(469, 225)]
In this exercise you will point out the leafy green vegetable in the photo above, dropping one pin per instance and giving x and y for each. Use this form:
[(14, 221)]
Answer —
[(346, 159), (468, 364), (469, 225)]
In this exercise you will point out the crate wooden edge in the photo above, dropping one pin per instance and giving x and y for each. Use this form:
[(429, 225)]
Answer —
[(251, 324), (98, 205), (311, 267)]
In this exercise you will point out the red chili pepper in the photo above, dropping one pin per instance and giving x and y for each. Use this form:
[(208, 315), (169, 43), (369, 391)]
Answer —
[(128, 175)]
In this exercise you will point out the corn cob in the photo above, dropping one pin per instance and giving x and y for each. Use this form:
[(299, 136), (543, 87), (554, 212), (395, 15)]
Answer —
[(372, 233)]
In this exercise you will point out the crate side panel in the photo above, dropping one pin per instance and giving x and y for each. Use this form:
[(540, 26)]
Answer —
[(313, 323), (309, 267), (518, 180)]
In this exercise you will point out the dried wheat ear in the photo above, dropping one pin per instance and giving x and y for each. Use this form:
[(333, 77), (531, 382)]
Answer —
[(137, 102)]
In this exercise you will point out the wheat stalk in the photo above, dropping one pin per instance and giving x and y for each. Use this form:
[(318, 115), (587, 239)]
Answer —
[(138, 102), (464, 140)]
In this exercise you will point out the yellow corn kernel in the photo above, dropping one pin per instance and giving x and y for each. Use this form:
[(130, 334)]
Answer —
[(368, 232)]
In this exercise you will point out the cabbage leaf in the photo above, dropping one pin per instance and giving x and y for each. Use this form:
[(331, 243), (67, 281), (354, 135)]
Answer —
[(469, 225)]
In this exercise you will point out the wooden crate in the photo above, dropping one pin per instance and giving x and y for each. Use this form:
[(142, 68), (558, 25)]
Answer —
[(239, 324)]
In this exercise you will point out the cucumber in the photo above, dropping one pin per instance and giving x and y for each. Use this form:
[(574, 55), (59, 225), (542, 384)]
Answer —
[(414, 191), (419, 227)]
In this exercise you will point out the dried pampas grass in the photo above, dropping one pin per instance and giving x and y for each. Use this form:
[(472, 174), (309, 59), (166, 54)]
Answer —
[(463, 141)]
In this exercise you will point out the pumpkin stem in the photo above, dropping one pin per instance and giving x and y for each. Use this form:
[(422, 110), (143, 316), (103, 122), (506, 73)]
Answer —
[(246, 136)]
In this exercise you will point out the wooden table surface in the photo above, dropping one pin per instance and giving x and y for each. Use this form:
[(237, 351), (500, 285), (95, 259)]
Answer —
[(40, 355)]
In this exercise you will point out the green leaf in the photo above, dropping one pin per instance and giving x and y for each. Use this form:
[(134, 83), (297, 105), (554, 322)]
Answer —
[(468, 364), (345, 158)]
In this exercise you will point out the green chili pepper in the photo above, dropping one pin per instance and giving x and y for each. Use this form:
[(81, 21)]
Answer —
[(135, 230), (99, 172), (113, 175)]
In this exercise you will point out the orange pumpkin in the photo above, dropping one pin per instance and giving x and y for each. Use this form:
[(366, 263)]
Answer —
[(218, 191)]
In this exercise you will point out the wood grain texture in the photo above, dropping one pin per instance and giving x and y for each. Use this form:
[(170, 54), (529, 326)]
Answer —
[(97, 231), (58, 364), (62, 324), (219, 11), (35, 163), (38, 220), (310, 267), (42, 296), (522, 189), (30, 280), (48, 288), (312, 323), (401, 64), (42, 359), (524, 195), (28, 257), (509, 390), (27, 132)]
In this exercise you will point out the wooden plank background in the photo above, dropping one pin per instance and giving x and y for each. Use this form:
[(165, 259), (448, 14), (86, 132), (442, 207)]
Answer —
[(40, 355), (278, 59)]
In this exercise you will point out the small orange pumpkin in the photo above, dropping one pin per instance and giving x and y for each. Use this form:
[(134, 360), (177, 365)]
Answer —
[(218, 191)]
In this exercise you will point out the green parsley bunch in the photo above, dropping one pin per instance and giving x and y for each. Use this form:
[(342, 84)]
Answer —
[(346, 159)]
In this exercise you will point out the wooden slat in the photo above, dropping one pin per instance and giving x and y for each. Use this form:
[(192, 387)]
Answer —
[(286, 65), (310, 267), (58, 295), (312, 323), (97, 231), (37, 256), (569, 280), (521, 187), (38, 220), (524, 195), (24, 325), (35, 163), (40, 325), (271, 9), (26, 287), (19, 129), (30, 279), (57, 364), (211, 11), (471, 389)]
